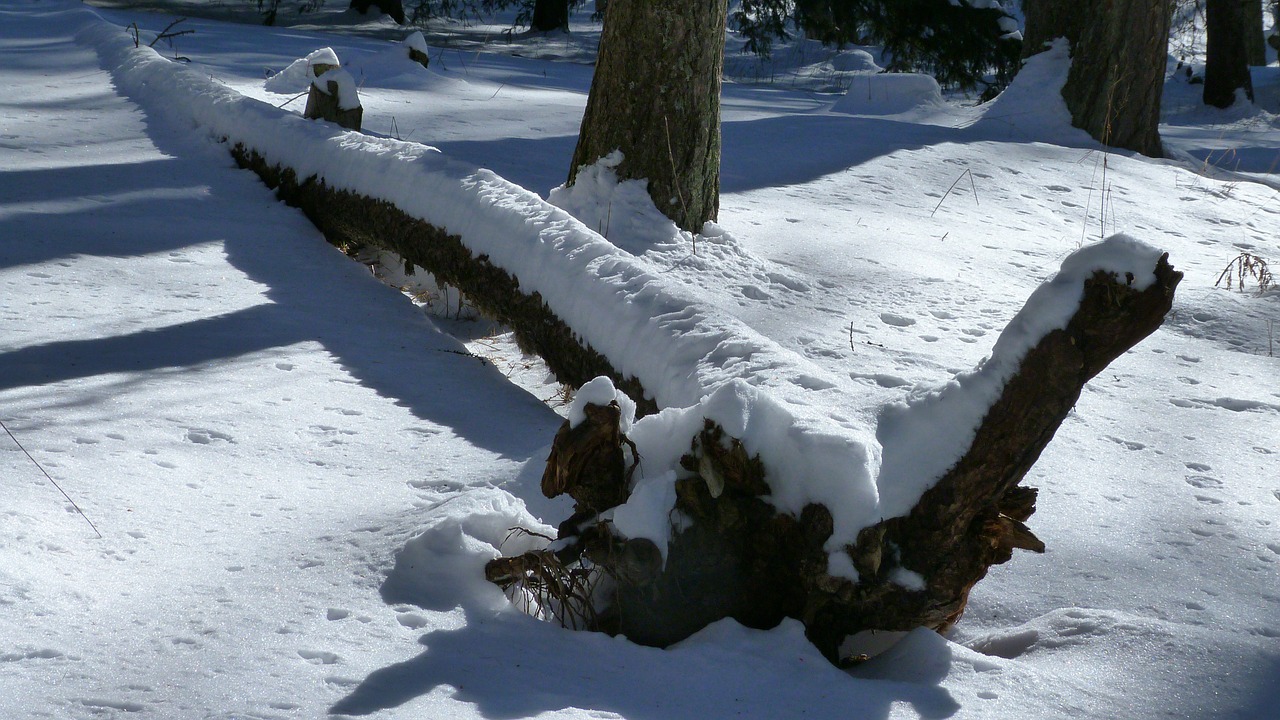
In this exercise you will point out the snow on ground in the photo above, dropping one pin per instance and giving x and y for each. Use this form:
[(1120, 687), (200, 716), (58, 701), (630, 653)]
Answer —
[(298, 474)]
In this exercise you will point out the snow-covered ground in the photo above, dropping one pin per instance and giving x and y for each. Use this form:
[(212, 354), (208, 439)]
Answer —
[(297, 474)]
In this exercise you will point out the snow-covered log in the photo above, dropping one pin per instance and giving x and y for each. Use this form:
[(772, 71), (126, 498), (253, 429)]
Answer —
[(733, 553), (351, 221)]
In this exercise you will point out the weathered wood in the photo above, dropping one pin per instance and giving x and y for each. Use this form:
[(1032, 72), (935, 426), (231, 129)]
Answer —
[(322, 105), (736, 556), (350, 222), (419, 57), (587, 461)]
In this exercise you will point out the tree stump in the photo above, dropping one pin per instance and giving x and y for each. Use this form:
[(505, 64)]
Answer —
[(327, 104)]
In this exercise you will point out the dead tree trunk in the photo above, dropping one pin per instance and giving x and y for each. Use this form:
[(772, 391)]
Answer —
[(737, 556)]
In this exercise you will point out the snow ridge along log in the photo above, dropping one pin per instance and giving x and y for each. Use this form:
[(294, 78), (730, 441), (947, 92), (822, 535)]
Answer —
[(734, 555), (350, 221)]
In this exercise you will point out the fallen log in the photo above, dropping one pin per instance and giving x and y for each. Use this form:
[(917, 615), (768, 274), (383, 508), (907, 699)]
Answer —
[(734, 554), (351, 221)]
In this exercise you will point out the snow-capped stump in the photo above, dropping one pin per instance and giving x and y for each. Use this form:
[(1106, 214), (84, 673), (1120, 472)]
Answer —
[(332, 95), (416, 44), (717, 544)]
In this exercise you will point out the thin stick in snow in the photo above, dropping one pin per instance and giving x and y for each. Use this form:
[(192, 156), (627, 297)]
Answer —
[(953, 187), (50, 477)]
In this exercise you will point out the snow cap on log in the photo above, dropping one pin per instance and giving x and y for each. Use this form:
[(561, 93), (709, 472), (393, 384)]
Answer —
[(944, 419)]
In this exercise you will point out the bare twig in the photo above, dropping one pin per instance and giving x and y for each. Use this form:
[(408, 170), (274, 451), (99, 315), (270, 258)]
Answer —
[(675, 179), (953, 187), (166, 35), (295, 97), (49, 477)]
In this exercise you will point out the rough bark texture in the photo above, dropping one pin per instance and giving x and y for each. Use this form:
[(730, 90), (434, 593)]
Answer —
[(1226, 66), (350, 221), (550, 15), (1047, 20), (737, 557), (1118, 52), (1255, 43), (656, 97)]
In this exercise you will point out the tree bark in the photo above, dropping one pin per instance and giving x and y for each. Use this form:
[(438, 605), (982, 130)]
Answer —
[(1047, 20), (550, 15), (1255, 42), (1118, 52), (737, 557), (1226, 66), (656, 97)]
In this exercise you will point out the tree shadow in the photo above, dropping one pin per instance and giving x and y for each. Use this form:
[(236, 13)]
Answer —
[(510, 666), (1262, 693), (372, 331)]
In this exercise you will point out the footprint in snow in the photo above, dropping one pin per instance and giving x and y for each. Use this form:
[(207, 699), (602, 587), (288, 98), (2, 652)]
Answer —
[(413, 621), (1128, 444), (201, 436), (319, 657), (896, 320)]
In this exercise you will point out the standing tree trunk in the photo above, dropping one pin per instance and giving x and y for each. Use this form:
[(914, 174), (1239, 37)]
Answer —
[(1118, 52), (1226, 66), (656, 97), (394, 8), (551, 15), (1255, 42)]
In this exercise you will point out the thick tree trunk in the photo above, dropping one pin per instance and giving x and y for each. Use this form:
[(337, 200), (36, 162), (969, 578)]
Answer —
[(737, 556), (656, 97), (550, 15), (1047, 20), (1255, 43), (1118, 52), (394, 8), (1226, 67)]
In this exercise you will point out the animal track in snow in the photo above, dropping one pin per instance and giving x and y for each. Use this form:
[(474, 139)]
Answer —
[(100, 705), (1128, 444), (319, 657), (1225, 403), (201, 436), (413, 621)]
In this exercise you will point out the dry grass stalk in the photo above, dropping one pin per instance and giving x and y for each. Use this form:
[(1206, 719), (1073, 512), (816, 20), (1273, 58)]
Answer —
[(1246, 265)]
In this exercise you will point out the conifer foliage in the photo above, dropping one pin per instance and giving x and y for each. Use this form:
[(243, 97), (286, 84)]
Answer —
[(969, 44)]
